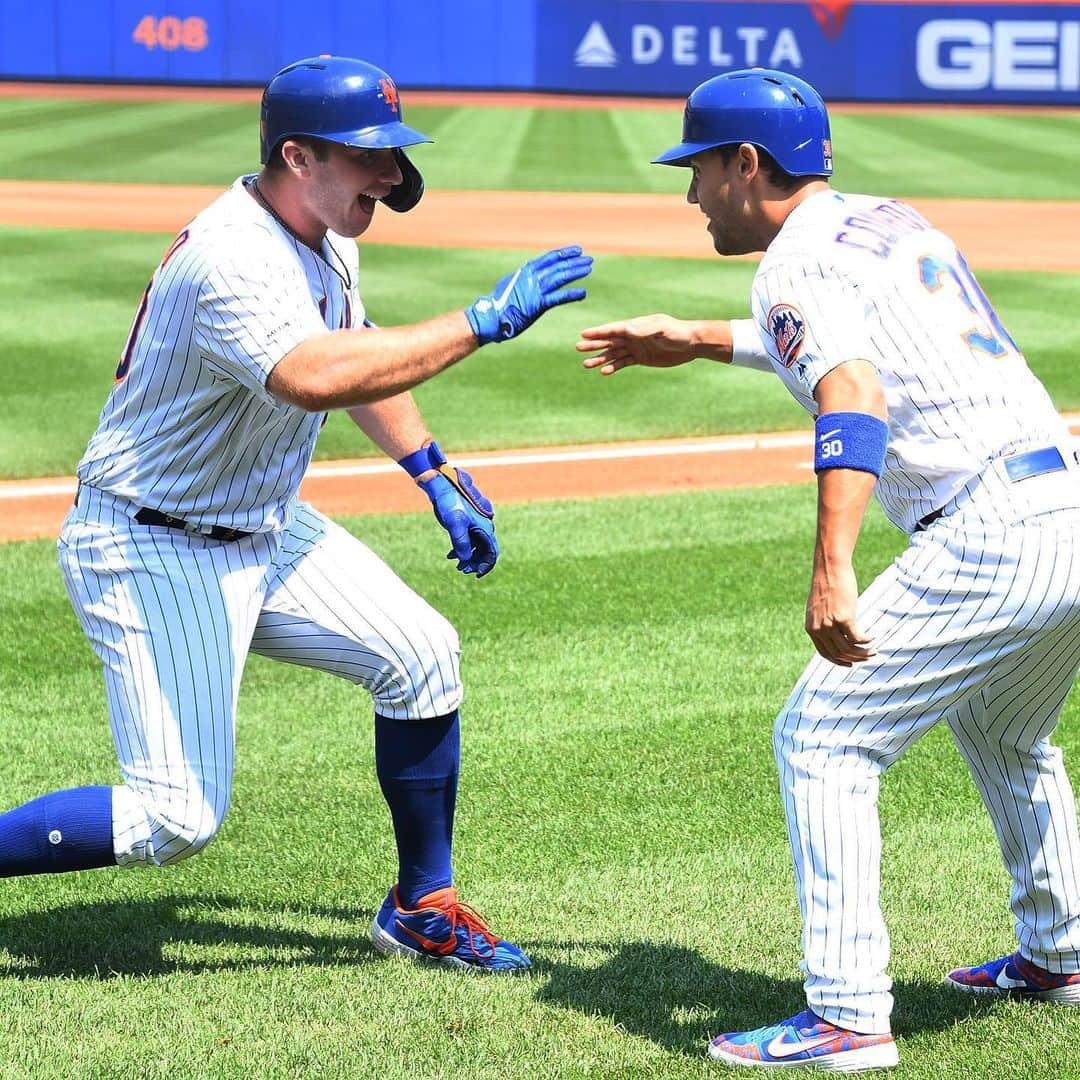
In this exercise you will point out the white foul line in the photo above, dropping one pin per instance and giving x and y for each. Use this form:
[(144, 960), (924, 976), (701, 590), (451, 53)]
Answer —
[(318, 470), (495, 459), (548, 457)]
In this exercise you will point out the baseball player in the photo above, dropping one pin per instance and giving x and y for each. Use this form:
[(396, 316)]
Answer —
[(187, 546), (873, 321)]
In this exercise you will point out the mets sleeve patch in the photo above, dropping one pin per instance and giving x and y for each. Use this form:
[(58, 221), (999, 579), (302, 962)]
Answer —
[(786, 325)]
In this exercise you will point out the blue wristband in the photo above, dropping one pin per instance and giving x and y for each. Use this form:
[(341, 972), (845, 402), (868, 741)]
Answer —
[(428, 457), (850, 440)]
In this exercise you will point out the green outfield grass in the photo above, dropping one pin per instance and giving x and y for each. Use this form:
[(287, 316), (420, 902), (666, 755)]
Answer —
[(965, 153), (70, 298), (618, 816)]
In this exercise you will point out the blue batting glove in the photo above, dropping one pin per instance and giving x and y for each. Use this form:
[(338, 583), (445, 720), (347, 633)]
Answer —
[(520, 298), (471, 530), (459, 508)]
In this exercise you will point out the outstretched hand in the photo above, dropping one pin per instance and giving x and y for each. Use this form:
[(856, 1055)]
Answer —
[(659, 341), (520, 298)]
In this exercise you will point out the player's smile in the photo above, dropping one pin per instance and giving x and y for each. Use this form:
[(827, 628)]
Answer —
[(370, 196), (372, 174), (365, 204)]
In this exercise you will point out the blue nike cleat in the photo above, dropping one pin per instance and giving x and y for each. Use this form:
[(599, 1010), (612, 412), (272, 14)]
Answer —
[(806, 1041), (443, 930), (1015, 977)]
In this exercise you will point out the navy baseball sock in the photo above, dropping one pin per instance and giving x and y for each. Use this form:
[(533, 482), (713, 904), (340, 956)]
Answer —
[(417, 765), (66, 830)]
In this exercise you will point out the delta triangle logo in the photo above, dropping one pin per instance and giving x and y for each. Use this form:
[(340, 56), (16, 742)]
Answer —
[(831, 15), (594, 50)]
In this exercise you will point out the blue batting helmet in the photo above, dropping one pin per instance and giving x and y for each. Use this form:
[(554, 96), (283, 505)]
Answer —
[(770, 109), (342, 101)]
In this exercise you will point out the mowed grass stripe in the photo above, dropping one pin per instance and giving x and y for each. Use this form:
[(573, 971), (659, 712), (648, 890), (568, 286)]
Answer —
[(42, 119), (588, 146), (641, 139), (618, 816), (459, 132), (969, 154), (143, 142), (959, 154)]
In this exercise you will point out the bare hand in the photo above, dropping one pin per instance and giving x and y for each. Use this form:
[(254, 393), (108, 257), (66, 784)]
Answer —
[(830, 617), (658, 341)]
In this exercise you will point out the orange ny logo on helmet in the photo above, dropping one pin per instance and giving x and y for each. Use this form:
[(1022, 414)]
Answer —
[(389, 93)]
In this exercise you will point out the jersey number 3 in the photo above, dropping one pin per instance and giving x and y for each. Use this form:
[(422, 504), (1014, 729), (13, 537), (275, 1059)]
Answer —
[(988, 335), (133, 334)]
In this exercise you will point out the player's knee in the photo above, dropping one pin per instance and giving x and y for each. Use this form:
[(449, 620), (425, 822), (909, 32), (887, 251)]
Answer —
[(176, 841), (426, 682), (800, 750), (444, 658), (162, 829)]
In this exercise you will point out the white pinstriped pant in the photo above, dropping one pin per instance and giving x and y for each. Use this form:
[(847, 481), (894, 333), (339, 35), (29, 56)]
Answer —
[(977, 623), (173, 617)]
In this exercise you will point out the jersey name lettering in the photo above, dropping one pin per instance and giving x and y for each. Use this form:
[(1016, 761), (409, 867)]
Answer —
[(878, 229)]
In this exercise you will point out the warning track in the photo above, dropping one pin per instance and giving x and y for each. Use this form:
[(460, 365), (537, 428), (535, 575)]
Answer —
[(994, 234), (503, 99)]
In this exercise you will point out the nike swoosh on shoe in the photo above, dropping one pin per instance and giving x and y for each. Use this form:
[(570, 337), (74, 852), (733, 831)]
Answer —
[(780, 1047)]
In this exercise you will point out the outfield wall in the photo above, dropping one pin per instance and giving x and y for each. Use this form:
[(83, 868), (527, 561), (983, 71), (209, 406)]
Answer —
[(877, 50)]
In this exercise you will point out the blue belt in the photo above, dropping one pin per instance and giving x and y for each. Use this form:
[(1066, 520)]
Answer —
[(1034, 463), (1017, 467)]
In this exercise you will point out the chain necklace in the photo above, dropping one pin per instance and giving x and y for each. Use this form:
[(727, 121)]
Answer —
[(342, 275)]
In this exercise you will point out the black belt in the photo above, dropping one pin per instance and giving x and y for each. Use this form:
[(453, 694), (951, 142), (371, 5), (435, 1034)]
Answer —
[(926, 522), (146, 516), (1017, 467)]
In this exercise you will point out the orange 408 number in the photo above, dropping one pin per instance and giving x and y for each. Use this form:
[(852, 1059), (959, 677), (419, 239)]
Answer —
[(170, 32)]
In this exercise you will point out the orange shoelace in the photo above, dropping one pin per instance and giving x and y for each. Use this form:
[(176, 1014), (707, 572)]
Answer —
[(471, 919)]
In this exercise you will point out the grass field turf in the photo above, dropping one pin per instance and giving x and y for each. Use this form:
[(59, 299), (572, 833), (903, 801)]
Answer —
[(618, 815), (618, 812), (963, 153), (71, 297)]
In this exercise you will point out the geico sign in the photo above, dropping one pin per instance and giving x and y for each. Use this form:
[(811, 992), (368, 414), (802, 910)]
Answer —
[(1010, 54)]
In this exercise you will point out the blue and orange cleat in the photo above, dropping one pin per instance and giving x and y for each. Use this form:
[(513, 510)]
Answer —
[(443, 930), (1015, 977), (806, 1041)]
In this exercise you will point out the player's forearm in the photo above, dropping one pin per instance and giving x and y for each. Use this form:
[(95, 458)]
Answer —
[(358, 367), (394, 425), (711, 339), (843, 495), (734, 341)]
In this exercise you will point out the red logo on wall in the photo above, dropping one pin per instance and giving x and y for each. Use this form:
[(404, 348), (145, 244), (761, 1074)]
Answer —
[(831, 15)]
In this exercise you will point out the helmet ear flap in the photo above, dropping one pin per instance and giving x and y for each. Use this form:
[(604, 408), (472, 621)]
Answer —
[(407, 194)]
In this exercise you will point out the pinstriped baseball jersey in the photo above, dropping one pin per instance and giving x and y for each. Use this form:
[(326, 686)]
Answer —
[(189, 428), (976, 624), (862, 277)]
